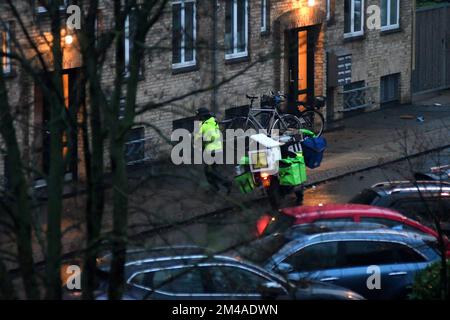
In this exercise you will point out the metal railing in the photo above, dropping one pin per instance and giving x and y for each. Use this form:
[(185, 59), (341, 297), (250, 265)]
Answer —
[(359, 98), (139, 151)]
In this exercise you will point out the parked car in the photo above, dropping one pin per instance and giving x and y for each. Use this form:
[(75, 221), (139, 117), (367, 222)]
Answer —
[(440, 173), (344, 213), (343, 258), (209, 277), (416, 201)]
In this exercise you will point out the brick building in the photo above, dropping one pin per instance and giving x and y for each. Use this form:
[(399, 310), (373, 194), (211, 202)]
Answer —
[(304, 48)]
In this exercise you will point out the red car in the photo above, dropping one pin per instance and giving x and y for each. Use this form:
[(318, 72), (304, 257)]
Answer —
[(342, 213)]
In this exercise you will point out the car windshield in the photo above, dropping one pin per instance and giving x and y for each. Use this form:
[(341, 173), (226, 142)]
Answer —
[(366, 196), (278, 224), (261, 250)]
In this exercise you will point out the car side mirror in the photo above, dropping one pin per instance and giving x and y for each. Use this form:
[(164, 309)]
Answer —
[(284, 268), (271, 290)]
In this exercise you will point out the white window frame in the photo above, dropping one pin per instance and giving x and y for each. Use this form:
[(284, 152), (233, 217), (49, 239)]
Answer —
[(390, 26), (264, 16), (354, 33), (328, 10), (183, 63), (6, 39), (42, 9), (235, 54), (126, 43)]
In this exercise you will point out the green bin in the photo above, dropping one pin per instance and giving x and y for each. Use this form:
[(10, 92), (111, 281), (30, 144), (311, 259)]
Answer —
[(245, 182), (292, 171)]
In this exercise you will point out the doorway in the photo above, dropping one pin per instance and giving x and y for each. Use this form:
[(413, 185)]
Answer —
[(42, 118), (300, 52)]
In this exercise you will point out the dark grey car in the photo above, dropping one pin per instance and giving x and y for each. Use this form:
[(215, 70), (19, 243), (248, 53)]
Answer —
[(208, 277)]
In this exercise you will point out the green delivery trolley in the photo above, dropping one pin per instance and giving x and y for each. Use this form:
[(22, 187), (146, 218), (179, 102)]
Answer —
[(292, 171), (244, 178)]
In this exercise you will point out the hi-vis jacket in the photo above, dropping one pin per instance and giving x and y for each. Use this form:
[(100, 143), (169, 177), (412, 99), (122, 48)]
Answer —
[(209, 134)]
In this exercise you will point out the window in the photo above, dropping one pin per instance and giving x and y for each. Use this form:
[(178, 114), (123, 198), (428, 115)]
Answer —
[(319, 256), (328, 10), (177, 281), (354, 18), (236, 29), (390, 88), (127, 43), (233, 280), (42, 5), (183, 33), (390, 14), (135, 147), (355, 96), (181, 280), (424, 210), (264, 15), (366, 253), (5, 41)]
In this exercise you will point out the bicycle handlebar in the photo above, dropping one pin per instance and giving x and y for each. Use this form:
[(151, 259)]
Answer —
[(251, 97)]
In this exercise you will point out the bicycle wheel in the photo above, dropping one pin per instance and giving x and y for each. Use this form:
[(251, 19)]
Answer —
[(313, 120), (239, 141), (285, 123), (243, 123)]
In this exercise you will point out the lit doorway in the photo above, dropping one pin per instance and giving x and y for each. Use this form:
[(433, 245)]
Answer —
[(300, 66), (42, 117)]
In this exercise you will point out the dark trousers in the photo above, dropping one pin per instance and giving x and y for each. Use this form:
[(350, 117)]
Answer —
[(215, 178)]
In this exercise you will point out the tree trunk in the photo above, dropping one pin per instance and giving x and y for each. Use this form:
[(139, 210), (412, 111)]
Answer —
[(7, 291), (19, 196), (95, 195), (56, 172), (120, 216)]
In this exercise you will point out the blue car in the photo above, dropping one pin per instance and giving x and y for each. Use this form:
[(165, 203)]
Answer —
[(377, 264)]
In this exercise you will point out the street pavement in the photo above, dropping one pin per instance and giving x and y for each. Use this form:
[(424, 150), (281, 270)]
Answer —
[(173, 204)]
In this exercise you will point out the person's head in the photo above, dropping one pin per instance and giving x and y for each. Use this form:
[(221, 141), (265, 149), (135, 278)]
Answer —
[(203, 114)]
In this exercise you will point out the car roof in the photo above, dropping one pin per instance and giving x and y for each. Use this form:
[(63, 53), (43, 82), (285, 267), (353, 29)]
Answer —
[(346, 209), (138, 254), (379, 235), (168, 262), (426, 187)]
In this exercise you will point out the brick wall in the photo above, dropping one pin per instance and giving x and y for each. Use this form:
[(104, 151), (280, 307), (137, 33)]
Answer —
[(374, 56)]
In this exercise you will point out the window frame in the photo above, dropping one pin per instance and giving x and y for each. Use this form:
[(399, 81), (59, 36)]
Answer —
[(6, 41), (198, 266), (183, 63), (265, 16), (328, 4), (235, 54), (388, 25), (126, 44), (40, 9), (354, 33)]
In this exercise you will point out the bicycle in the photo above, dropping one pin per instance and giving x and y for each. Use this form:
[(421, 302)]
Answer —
[(311, 118), (272, 121)]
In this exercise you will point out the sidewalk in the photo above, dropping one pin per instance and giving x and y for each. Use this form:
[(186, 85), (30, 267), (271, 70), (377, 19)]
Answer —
[(387, 135)]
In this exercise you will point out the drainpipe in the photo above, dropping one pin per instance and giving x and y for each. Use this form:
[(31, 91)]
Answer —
[(214, 59)]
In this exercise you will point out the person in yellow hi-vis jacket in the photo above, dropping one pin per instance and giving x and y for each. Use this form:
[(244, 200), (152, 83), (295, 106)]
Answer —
[(209, 135)]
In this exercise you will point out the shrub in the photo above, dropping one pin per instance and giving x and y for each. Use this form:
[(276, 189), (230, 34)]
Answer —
[(427, 284)]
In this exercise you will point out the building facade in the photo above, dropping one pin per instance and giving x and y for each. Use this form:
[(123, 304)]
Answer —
[(356, 53)]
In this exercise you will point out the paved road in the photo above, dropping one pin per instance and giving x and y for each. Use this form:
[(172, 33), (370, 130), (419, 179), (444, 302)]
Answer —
[(231, 227)]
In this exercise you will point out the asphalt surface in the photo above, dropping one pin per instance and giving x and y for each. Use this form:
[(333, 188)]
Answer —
[(233, 227)]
